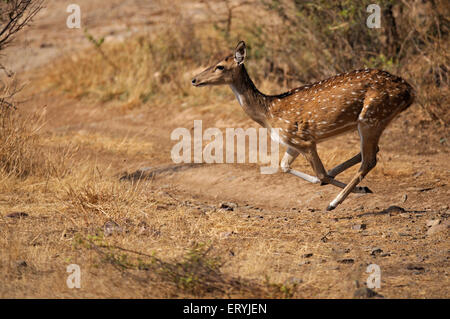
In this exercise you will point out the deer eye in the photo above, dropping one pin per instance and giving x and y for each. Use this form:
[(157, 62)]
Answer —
[(220, 67)]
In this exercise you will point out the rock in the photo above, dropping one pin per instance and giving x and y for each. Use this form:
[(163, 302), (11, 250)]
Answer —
[(439, 227), (433, 222), (405, 198), (346, 261), (404, 234), (228, 206), (17, 215), (394, 209), (415, 267), (365, 292), (417, 174), (111, 227), (295, 280), (376, 251), (307, 255), (143, 228), (359, 226), (226, 234)]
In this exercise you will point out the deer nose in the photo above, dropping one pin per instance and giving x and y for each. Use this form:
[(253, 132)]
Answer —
[(194, 80)]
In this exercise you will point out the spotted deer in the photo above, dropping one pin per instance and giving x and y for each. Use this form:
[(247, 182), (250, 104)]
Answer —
[(366, 100)]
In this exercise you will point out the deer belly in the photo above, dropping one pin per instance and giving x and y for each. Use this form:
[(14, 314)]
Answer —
[(332, 131)]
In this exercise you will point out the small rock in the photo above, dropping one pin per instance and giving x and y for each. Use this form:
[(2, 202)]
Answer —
[(225, 234), (228, 206), (433, 222), (17, 215), (307, 255), (22, 264), (359, 226), (346, 261), (111, 227), (440, 227), (365, 292), (394, 209), (404, 198), (415, 267), (404, 234), (305, 262), (417, 174), (295, 281), (376, 251), (142, 228)]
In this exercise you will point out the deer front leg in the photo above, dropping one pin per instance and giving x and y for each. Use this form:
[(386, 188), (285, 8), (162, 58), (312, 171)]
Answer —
[(286, 162), (314, 159), (346, 165)]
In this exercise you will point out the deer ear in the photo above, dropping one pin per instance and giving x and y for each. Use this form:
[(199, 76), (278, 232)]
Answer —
[(240, 52)]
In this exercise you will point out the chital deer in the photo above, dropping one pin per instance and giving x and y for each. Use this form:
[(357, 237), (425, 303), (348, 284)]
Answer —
[(366, 100)]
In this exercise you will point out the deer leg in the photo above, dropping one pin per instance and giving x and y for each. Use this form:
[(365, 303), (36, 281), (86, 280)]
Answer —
[(346, 165), (314, 159), (369, 148), (286, 162)]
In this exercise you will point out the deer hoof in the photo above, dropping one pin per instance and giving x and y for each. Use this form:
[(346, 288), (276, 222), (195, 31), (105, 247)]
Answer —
[(366, 190)]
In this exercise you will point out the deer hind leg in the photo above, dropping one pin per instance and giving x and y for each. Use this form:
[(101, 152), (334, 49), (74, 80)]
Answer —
[(314, 159), (370, 135)]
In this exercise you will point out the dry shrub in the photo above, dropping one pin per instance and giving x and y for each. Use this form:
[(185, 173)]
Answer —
[(197, 272), (100, 195), (21, 152)]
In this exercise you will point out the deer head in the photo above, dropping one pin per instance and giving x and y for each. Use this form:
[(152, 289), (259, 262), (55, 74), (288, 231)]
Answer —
[(224, 71)]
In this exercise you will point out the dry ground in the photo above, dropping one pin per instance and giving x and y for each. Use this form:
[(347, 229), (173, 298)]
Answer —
[(276, 241)]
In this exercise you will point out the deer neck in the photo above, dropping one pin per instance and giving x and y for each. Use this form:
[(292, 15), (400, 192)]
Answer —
[(252, 101)]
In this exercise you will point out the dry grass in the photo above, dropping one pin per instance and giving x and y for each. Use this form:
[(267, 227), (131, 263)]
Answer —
[(156, 246)]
